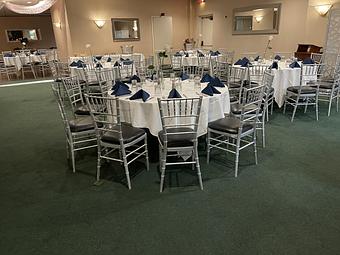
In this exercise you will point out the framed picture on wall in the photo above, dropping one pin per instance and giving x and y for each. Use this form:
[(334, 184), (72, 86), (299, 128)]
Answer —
[(125, 29), (14, 35)]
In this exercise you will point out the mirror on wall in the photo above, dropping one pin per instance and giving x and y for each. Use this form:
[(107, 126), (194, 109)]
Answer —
[(261, 19), (15, 35), (125, 29)]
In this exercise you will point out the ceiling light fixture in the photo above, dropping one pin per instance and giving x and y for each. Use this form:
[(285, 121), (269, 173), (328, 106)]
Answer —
[(258, 19), (99, 23), (323, 9)]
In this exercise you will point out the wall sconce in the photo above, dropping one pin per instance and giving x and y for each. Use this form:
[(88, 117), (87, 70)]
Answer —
[(99, 23), (201, 1), (258, 19), (57, 24), (323, 9)]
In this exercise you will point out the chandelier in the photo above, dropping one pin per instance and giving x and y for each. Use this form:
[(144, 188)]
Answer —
[(39, 7)]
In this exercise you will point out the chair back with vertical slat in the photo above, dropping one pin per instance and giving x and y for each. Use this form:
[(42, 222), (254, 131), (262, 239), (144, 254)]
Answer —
[(73, 91), (256, 72), (251, 104), (105, 112), (181, 114), (105, 79), (194, 70)]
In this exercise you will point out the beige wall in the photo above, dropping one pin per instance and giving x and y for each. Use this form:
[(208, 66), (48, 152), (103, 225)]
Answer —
[(38, 22), (81, 14), (299, 23)]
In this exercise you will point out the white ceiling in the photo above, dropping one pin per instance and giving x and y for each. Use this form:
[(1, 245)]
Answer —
[(24, 2)]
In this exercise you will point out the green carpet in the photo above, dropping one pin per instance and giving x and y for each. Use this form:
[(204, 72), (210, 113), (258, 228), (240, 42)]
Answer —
[(288, 204)]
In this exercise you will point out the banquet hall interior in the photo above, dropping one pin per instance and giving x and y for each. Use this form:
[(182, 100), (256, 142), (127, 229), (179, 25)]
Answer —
[(170, 127)]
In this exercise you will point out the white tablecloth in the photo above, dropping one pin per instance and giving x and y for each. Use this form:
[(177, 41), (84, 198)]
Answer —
[(15, 61), (146, 114), (106, 65), (114, 58), (284, 77)]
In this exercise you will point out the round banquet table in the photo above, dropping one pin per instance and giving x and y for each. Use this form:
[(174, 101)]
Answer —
[(15, 61), (146, 114), (284, 77)]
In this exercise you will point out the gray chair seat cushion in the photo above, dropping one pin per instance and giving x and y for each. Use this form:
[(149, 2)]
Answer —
[(178, 140), (82, 110), (304, 89), (237, 108), (229, 125), (324, 85), (81, 124), (129, 134)]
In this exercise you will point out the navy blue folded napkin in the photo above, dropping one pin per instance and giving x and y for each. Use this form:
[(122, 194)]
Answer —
[(177, 54), (295, 64), (141, 94), (174, 94), (207, 78), (277, 57), (98, 57), (213, 54), (242, 62), (184, 76), (216, 82), (119, 84), (186, 54), (257, 58), (127, 62), (8, 55), (116, 63), (80, 64), (217, 52), (108, 59), (120, 89), (134, 77), (99, 65), (308, 61), (210, 90), (74, 64), (37, 54), (274, 65), (201, 55)]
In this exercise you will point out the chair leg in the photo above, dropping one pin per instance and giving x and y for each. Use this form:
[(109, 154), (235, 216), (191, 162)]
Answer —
[(317, 110), (255, 149), (73, 158), (146, 154), (208, 146), (337, 103), (238, 153), (284, 107), (163, 163), (195, 152), (329, 106), (98, 165), (263, 133), (294, 111), (306, 106), (272, 107)]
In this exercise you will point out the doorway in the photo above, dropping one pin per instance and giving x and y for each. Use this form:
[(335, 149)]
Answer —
[(162, 33), (205, 29)]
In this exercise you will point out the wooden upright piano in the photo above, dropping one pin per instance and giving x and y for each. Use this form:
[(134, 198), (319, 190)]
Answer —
[(305, 51)]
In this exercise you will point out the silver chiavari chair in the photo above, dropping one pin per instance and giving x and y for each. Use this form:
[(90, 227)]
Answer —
[(27, 66), (193, 70), (317, 57), (7, 70), (74, 95), (180, 118), (232, 134), (105, 79), (268, 98), (113, 135), (176, 63), (42, 64), (126, 70), (237, 79), (79, 130), (255, 74), (137, 60), (223, 71), (204, 62), (303, 94)]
